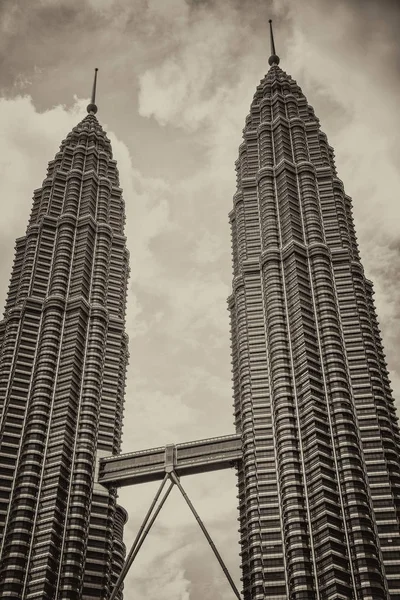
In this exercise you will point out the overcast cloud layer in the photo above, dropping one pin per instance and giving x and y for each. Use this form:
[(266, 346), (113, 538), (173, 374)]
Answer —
[(175, 83)]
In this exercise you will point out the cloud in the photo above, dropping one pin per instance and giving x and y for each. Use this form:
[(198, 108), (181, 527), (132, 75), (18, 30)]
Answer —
[(148, 214), (168, 580), (208, 248), (192, 85)]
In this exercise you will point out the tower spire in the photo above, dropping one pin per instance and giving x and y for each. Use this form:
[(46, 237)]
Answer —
[(273, 59), (92, 108)]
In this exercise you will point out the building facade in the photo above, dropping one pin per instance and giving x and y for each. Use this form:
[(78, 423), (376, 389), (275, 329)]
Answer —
[(63, 358), (319, 484)]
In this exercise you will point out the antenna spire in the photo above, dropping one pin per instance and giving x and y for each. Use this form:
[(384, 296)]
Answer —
[(273, 59), (92, 108)]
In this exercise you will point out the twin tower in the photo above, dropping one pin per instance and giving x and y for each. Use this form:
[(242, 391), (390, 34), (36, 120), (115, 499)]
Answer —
[(319, 466)]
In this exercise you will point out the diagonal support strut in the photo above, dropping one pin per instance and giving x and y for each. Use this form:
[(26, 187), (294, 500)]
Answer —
[(204, 530), (149, 521), (142, 534)]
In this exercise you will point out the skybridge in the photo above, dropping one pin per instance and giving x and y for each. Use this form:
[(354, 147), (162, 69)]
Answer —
[(189, 458)]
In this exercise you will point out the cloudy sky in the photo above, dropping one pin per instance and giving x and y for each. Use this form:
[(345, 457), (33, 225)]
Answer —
[(175, 83)]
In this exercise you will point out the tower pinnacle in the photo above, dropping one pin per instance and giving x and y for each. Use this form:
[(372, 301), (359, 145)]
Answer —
[(92, 108), (273, 59)]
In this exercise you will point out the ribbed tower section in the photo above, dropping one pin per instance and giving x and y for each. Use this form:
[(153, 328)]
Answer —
[(63, 357), (319, 488)]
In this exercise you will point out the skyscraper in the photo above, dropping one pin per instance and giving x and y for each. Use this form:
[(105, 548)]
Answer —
[(319, 483), (63, 357)]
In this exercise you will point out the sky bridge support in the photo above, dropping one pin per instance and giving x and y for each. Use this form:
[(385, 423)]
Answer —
[(169, 463)]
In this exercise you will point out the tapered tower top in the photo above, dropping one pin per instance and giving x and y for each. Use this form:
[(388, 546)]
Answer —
[(92, 108), (273, 59)]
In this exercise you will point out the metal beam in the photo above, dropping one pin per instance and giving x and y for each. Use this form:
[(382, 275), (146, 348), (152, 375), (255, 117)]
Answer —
[(188, 458), (175, 480), (142, 534)]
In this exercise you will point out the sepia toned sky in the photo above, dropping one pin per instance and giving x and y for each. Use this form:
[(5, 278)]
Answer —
[(176, 78)]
